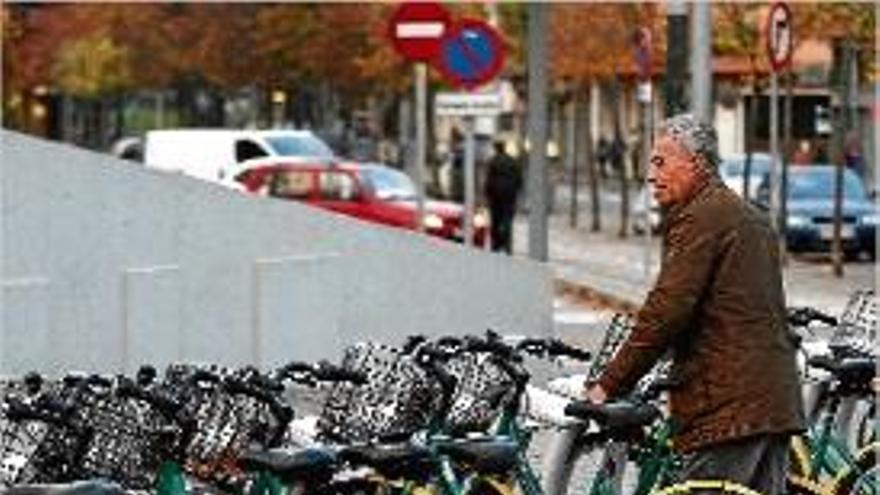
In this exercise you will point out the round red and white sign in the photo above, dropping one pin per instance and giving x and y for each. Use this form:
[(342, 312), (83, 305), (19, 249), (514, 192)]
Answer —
[(417, 29), (779, 34)]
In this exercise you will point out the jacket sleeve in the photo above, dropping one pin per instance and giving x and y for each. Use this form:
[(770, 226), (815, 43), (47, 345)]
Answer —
[(685, 273)]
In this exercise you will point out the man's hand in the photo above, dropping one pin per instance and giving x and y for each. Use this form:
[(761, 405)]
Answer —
[(596, 394)]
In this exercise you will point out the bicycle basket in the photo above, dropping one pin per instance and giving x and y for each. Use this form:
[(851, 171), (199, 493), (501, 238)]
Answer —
[(131, 439), (229, 423), (615, 335), (482, 391), (857, 325), (397, 400), (41, 443)]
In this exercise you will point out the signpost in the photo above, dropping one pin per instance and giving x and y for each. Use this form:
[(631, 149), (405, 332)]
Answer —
[(644, 52), (469, 106), (469, 53), (416, 30), (778, 34)]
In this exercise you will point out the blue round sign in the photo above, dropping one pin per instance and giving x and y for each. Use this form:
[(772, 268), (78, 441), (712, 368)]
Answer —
[(472, 54)]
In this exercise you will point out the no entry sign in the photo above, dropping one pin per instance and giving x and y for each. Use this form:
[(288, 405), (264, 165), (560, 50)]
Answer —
[(779, 36), (472, 54), (417, 28)]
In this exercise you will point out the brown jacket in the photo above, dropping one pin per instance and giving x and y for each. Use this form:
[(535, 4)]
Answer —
[(718, 305)]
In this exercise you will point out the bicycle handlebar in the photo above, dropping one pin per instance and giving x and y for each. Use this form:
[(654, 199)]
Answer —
[(803, 316)]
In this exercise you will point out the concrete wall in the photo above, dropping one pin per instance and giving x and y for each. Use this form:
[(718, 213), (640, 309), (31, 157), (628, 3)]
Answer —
[(107, 265)]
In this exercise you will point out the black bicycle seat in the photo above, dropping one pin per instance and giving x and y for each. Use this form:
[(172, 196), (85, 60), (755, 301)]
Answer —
[(78, 488), (489, 456), (303, 465), (392, 461), (614, 415)]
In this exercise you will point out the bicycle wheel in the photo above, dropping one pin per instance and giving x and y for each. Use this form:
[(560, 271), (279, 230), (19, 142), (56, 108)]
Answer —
[(863, 478), (722, 487), (570, 468)]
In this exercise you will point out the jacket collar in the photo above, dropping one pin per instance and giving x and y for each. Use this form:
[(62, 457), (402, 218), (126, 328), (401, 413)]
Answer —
[(705, 188)]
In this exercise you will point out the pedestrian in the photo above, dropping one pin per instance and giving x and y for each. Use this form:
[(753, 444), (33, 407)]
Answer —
[(456, 171), (603, 149), (502, 185), (803, 155), (718, 309), (853, 157)]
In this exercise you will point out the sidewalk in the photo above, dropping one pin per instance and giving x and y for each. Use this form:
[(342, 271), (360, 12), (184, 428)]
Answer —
[(601, 265)]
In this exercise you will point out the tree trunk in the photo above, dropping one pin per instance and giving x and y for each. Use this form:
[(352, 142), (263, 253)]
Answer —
[(592, 165)]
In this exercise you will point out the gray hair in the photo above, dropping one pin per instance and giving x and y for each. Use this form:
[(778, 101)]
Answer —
[(697, 137)]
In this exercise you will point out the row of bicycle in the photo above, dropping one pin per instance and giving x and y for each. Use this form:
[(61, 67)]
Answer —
[(447, 416)]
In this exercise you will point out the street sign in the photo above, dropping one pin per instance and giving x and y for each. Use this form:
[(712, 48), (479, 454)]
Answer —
[(417, 29), (468, 104), (779, 34), (472, 54)]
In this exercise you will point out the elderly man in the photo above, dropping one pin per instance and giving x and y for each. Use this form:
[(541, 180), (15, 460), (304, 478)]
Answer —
[(718, 306)]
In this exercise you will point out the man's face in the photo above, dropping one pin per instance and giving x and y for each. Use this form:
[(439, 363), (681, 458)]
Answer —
[(673, 172)]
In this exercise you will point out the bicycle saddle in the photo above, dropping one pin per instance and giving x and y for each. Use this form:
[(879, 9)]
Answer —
[(392, 461), (303, 465), (613, 415), (78, 488), (489, 456)]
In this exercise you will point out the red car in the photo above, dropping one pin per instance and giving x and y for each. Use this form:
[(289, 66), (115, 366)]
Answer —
[(374, 193)]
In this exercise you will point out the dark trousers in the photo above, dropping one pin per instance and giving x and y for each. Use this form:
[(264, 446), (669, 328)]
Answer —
[(759, 462), (502, 227)]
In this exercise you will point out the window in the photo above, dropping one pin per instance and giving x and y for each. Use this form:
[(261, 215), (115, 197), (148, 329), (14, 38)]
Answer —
[(299, 146), (246, 149), (337, 186), (295, 184)]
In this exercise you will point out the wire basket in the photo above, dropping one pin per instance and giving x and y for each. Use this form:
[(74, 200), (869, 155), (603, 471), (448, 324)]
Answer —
[(229, 422), (857, 325), (483, 389), (398, 399), (41, 443), (130, 440), (615, 335)]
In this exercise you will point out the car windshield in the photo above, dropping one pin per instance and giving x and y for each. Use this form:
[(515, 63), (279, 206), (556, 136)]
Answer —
[(390, 184), (299, 146), (736, 167), (819, 184)]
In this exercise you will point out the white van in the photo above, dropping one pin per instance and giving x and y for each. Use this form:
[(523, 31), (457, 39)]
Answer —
[(216, 154)]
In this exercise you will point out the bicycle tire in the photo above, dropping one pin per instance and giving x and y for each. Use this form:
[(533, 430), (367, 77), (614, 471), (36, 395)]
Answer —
[(853, 481), (706, 487)]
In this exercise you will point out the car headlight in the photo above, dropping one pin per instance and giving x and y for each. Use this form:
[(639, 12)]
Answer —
[(870, 219), (481, 220), (432, 221), (798, 221)]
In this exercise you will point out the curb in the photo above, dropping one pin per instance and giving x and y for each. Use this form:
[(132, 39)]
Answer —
[(594, 297)]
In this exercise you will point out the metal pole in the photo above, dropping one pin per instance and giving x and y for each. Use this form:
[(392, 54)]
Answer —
[(774, 149), (783, 204), (701, 61), (647, 143), (840, 132), (676, 56), (469, 181), (537, 116), (421, 83), (571, 153)]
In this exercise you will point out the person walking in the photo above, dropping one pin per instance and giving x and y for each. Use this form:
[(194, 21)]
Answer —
[(718, 309), (501, 188)]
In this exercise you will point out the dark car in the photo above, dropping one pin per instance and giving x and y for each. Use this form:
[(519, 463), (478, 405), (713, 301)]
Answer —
[(810, 225)]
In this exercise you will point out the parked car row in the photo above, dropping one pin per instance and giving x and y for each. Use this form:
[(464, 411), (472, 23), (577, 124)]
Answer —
[(297, 165), (810, 205)]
